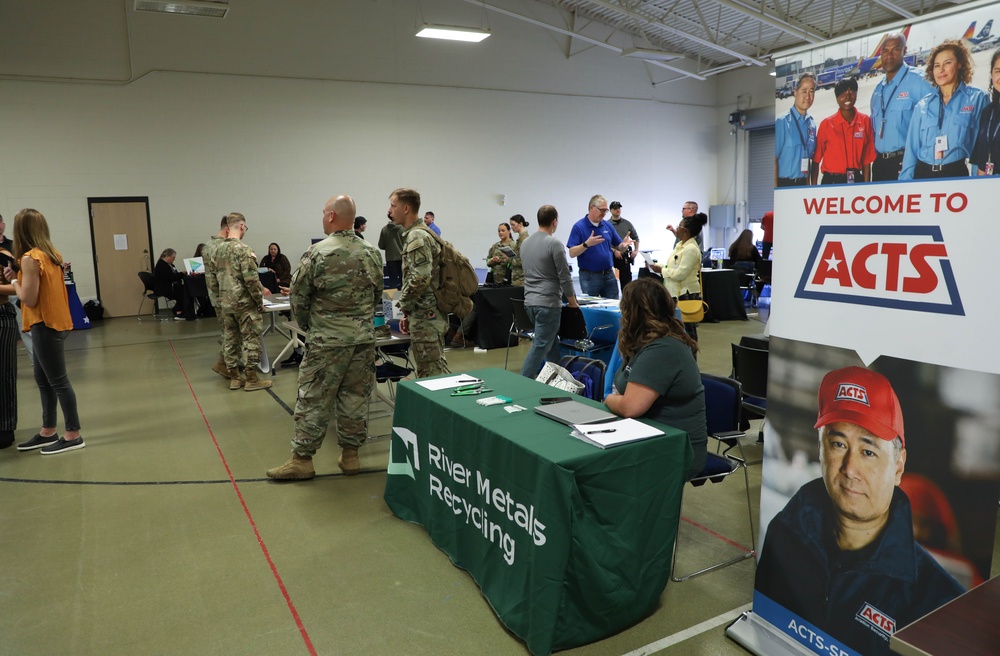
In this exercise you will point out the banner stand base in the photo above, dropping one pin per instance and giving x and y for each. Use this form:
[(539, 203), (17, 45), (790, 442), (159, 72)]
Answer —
[(762, 638)]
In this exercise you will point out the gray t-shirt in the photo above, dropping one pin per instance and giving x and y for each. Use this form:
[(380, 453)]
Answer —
[(546, 271)]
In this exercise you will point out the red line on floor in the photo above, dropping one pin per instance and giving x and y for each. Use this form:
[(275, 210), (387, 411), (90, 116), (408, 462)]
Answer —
[(246, 511), (718, 535)]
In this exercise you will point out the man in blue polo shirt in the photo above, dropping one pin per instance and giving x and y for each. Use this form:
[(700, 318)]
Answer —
[(590, 242), (795, 138), (892, 105)]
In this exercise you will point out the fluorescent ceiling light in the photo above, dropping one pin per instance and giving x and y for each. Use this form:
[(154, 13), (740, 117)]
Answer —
[(651, 55), (206, 8), (469, 34)]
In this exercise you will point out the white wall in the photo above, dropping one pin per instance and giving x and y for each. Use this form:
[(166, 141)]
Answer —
[(202, 145)]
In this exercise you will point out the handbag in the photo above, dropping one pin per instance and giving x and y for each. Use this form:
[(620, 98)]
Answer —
[(693, 310)]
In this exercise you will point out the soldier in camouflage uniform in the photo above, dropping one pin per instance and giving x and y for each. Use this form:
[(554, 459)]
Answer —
[(333, 296), (519, 225), (236, 285), (421, 254), (207, 255)]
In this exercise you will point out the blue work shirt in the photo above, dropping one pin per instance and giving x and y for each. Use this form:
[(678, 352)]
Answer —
[(892, 107), (595, 258), (794, 140), (960, 124)]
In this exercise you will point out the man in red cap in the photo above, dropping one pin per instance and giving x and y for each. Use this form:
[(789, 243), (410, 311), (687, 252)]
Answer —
[(841, 554)]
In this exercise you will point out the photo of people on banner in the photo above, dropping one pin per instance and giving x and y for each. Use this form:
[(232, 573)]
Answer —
[(878, 502), (919, 106)]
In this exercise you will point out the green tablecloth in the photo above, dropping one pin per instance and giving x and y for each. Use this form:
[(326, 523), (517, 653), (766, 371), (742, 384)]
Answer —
[(568, 542)]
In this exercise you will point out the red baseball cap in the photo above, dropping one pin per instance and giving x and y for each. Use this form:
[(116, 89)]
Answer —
[(862, 397)]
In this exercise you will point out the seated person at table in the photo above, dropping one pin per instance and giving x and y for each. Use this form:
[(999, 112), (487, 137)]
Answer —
[(659, 378), (277, 264), (199, 250), (744, 256), (499, 262), (169, 283)]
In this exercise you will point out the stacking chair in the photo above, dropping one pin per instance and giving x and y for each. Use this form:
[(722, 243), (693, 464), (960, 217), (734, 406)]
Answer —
[(722, 415), (750, 369), (593, 369), (521, 325), (725, 398), (149, 293), (748, 280), (388, 371), (762, 274)]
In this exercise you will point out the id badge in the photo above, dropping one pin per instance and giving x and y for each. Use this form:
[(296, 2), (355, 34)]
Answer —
[(804, 167), (989, 168), (940, 146), (850, 177)]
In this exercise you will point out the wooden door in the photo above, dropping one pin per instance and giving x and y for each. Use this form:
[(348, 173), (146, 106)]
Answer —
[(120, 231)]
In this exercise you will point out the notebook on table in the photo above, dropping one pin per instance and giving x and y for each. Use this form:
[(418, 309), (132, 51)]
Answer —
[(574, 412)]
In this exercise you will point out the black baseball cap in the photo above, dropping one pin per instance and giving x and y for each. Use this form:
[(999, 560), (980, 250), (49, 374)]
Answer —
[(615, 205)]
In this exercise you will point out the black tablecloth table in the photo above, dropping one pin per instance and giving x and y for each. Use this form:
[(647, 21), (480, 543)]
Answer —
[(493, 316), (721, 290)]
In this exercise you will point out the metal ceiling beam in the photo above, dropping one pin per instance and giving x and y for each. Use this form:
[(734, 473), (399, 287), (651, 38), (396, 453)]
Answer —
[(660, 25), (896, 9), (777, 23), (577, 35)]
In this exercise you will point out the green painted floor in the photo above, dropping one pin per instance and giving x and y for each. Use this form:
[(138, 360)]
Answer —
[(164, 537)]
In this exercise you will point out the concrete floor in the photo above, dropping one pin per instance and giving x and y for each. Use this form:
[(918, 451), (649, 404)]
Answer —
[(164, 537)]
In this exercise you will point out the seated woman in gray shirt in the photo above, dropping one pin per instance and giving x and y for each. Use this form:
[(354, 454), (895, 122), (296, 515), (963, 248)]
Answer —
[(659, 378)]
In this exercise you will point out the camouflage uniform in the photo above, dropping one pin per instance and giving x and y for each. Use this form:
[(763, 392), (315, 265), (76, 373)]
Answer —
[(501, 270), (207, 255), (237, 286), (516, 270), (421, 254), (333, 297)]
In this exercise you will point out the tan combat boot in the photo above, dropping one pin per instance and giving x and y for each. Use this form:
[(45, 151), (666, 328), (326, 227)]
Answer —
[(253, 383), (348, 461), (220, 367), (235, 378), (298, 468)]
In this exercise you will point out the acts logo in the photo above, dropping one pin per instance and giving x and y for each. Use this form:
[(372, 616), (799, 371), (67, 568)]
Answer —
[(876, 620), (899, 267), (851, 392)]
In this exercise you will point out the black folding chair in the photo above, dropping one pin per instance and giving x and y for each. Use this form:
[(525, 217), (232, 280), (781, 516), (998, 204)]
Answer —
[(750, 369), (521, 325)]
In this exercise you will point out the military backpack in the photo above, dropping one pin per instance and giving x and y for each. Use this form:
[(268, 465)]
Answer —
[(457, 279)]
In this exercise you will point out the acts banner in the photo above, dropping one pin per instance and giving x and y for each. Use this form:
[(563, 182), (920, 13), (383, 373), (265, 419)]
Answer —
[(882, 448)]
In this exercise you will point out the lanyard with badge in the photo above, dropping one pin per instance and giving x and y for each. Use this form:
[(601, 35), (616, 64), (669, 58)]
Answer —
[(941, 141), (804, 164), (885, 105), (991, 136)]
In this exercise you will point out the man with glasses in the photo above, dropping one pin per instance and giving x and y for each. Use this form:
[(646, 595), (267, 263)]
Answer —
[(590, 242), (235, 282)]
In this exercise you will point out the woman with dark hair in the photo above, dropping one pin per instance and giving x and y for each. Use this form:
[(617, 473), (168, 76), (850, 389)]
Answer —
[(498, 261), (168, 282), (277, 264), (45, 308), (199, 250), (519, 226), (845, 143), (945, 123), (743, 249), (682, 272), (986, 152), (659, 377)]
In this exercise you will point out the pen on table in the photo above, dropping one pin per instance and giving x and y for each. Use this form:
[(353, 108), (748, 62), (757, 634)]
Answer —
[(609, 430), (470, 380)]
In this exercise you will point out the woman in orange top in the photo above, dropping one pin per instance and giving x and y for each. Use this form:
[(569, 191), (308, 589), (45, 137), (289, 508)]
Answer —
[(45, 310)]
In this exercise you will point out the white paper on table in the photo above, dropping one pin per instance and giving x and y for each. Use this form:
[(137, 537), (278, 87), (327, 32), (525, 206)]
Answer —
[(448, 382), (611, 433)]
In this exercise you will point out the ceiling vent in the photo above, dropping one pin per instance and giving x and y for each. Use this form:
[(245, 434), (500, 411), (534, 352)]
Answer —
[(206, 8)]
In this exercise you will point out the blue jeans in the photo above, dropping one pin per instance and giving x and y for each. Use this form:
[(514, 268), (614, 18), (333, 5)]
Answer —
[(545, 343), (599, 284)]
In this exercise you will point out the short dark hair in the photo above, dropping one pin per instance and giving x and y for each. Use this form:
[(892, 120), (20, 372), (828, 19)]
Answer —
[(546, 215), (431, 213), (359, 221), (408, 196), (845, 84)]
